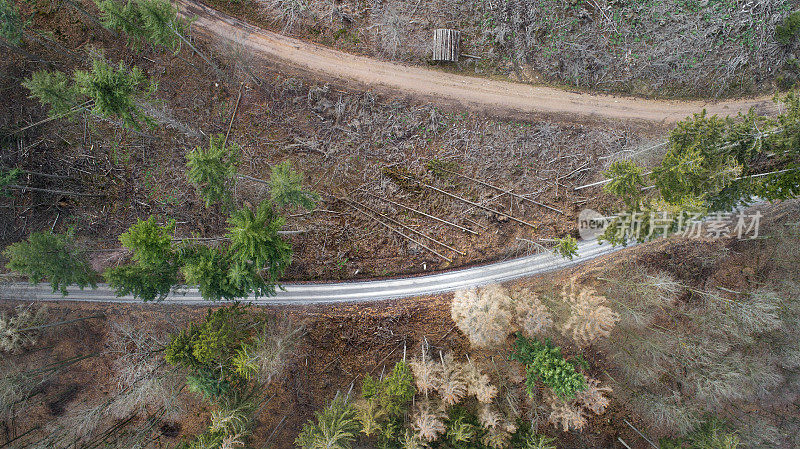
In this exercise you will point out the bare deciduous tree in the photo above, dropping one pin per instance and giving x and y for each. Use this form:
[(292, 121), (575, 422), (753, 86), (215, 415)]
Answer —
[(590, 318), (484, 315)]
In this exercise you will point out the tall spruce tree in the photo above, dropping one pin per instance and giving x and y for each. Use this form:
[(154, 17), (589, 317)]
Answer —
[(114, 91), (286, 188), (155, 268), (255, 245), (55, 257), (212, 170), (712, 164)]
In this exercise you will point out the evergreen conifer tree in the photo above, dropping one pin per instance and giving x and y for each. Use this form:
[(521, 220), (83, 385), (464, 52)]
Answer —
[(55, 257)]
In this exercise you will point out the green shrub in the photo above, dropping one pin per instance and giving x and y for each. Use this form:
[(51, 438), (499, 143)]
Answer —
[(207, 384), (392, 393), (210, 345), (788, 31), (387, 402), (544, 362), (712, 434), (207, 350), (463, 430), (12, 25), (526, 438)]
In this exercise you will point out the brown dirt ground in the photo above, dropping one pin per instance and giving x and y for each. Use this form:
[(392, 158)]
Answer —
[(284, 118)]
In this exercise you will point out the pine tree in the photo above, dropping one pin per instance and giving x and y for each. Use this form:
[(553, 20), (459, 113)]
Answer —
[(54, 89), (712, 164), (255, 242), (566, 247), (786, 146), (151, 244), (8, 178), (153, 21), (210, 269), (286, 188), (114, 91), (122, 17), (155, 268), (55, 257), (336, 427), (695, 167), (213, 170), (626, 182), (160, 21), (11, 23)]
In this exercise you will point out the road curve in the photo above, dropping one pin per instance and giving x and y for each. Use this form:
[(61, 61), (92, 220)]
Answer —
[(490, 96), (343, 292)]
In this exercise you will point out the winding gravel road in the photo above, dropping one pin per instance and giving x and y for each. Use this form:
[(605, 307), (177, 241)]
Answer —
[(489, 96), (361, 291)]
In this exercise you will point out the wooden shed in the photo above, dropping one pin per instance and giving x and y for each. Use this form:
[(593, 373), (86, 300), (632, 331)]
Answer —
[(446, 44)]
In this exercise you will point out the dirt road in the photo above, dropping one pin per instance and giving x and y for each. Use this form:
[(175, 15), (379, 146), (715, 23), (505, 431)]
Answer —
[(493, 97)]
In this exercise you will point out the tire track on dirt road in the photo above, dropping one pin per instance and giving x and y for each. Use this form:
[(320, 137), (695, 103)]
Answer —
[(498, 98)]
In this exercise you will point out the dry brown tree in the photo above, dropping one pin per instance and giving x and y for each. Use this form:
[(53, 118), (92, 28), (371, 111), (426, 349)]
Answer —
[(594, 397), (590, 318), (428, 421), (566, 413), (478, 383), (499, 428), (15, 329), (144, 382), (488, 416), (485, 316), (427, 373), (267, 356), (453, 385), (532, 316)]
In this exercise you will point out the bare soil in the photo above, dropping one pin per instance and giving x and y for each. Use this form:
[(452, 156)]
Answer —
[(347, 143)]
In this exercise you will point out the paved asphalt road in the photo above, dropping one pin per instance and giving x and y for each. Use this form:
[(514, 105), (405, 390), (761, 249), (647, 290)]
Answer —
[(340, 292)]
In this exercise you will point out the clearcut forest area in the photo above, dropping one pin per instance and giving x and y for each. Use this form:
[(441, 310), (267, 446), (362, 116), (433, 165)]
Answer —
[(145, 154), (662, 49)]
